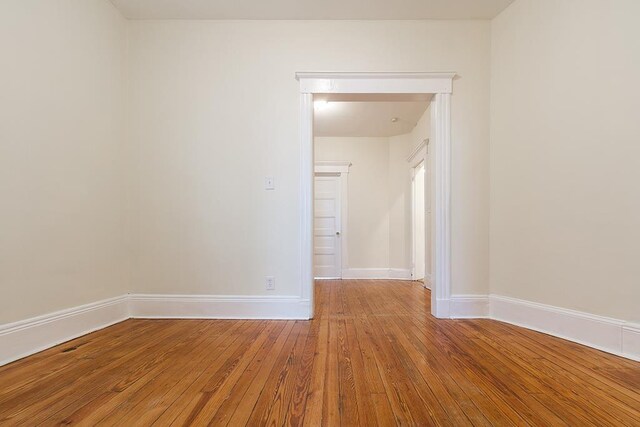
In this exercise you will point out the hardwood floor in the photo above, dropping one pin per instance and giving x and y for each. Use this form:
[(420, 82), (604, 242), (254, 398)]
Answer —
[(373, 355)]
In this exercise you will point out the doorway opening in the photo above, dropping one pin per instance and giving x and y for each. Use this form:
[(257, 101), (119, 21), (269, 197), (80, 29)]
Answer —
[(361, 148), (420, 232), (438, 85)]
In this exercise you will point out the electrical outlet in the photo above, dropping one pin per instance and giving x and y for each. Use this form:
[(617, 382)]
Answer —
[(270, 283)]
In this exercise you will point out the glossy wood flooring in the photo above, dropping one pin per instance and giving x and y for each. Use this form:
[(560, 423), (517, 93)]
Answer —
[(373, 356)]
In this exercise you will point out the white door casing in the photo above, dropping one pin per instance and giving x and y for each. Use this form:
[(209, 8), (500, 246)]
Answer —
[(418, 222), (438, 84), (420, 157)]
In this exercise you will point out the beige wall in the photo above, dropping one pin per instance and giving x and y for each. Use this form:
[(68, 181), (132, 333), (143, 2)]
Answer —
[(62, 180), (215, 109), (565, 169), (399, 196), (368, 198), (177, 205)]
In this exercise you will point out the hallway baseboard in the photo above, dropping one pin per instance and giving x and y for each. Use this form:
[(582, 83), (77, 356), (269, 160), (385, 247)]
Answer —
[(376, 273), (603, 333), (158, 306), (29, 336)]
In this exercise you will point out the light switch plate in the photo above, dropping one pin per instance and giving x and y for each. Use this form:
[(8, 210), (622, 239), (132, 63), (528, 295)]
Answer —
[(269, 183)]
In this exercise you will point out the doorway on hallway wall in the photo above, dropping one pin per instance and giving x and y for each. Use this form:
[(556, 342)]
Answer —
[(419, 225), (314, 86), (363, 222)]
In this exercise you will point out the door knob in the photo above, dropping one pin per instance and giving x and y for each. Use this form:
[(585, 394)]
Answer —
[(337, 233)]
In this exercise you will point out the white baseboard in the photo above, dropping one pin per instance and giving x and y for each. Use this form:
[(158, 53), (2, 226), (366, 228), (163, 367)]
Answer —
[(376, 273), (631, 341), (427, 280), (218, 307), (442, 308), (26, 337), (30, 336), (469, 306), (400, 274), (603, 333)]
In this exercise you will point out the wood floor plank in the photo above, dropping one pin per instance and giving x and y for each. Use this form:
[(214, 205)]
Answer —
[(278, 352), (50, 396), (277, 391), (373, 355), (142, 380), (218, 389), (190, 389), (130, 402)]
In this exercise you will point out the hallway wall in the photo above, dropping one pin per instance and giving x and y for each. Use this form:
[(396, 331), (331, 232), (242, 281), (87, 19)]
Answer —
[(565, 200), (63, 169), (214, 109)]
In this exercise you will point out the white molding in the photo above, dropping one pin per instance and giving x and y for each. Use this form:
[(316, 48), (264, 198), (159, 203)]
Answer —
[(426, 195), (440, 84), (413, 83), (427, 280), (29, 336), (602, 333), (631, 341), (372, 75), (332, 167), (26, 337), (306, 199), (400, 274), (419, 153), (441, 229), (157, 306), (469, 306), (377, 273), (365, 273), (441, 306)]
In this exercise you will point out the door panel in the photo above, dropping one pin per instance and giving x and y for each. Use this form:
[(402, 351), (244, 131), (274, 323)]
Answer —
[(326, 241)]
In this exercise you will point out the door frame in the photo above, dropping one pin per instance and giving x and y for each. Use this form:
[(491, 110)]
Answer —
[(418, 157), (438, 84), (339, 169)]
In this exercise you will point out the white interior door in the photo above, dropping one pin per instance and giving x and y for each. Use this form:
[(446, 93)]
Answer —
[(327, 257), (419, 234)]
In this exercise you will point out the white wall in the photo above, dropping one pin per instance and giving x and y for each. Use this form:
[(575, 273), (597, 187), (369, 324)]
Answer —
[(62, 174), (399, 196), (215, 109), (368, 198), (565, 168), (177, 205)]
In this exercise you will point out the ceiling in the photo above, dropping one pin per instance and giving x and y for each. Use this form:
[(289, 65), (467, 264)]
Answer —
[(359, 119), (311, 9)]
